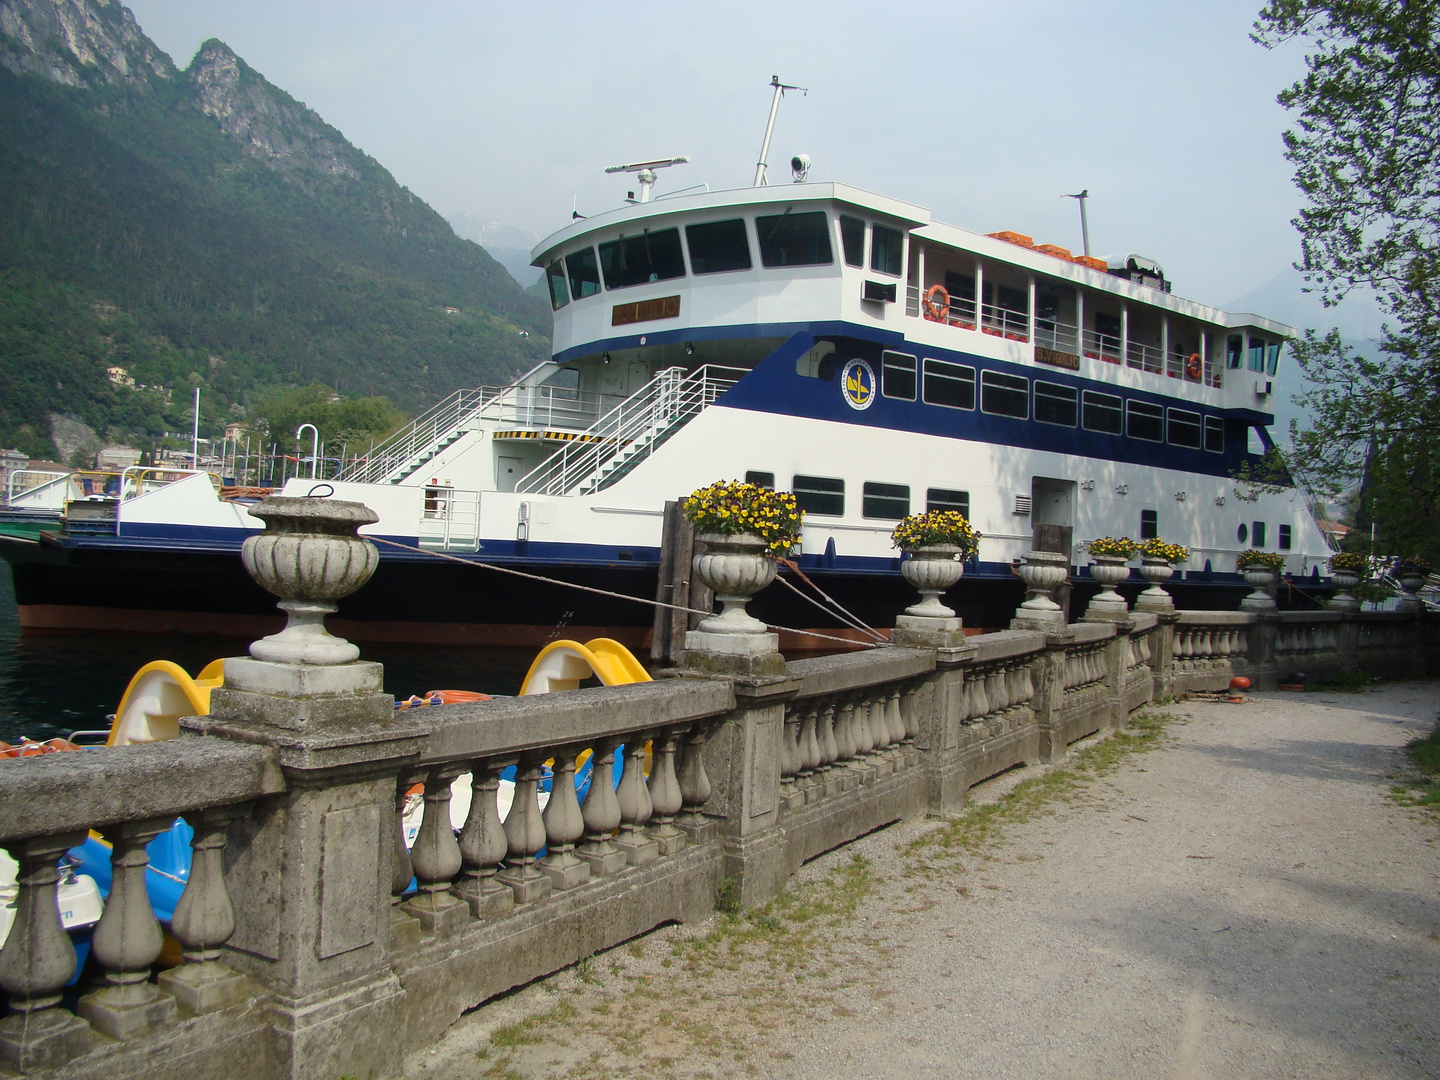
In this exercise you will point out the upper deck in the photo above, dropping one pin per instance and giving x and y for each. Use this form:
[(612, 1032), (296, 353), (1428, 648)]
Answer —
[(712, 270)]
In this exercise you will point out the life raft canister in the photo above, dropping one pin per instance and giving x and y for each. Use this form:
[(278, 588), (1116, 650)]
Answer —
[(1193, 367), (937, 303)]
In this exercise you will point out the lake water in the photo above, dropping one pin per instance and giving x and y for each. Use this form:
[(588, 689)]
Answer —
[(53, 684)]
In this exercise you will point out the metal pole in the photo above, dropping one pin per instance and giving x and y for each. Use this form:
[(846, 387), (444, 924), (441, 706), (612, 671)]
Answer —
[(1084, 224), (195, 436), (314, 448)]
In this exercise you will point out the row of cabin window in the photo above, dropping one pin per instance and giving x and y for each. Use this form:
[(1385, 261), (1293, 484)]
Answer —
[(1264, 356), (953, 387), (1255, 532), (716, 247), (887, 502)]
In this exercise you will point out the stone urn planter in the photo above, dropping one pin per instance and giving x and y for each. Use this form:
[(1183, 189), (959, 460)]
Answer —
[(1109, 571), (1343, 600), (310, 556), (1262, 579), (736, 568), (1412, 582), (931, 569), (1156, 572), (1043, 572)]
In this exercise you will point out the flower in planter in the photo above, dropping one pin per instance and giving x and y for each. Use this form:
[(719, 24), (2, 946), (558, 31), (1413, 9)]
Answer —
[(732, 507), (1416, 566), (1350, 562), (937, 527), (1114, 547), (1156, 548), (1260, 560)]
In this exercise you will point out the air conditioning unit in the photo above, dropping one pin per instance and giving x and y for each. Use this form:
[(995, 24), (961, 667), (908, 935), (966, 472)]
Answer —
[(1264, 387), (881, 292), (1022, 504)]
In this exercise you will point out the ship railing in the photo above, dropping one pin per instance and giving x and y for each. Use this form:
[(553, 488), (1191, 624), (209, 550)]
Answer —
[(630, 429), (1004, 322), (33, 484), (409, 441), (960, 311), (450, 519), (1145, 357), (1098, 346), (142, 479), (1057, 335)]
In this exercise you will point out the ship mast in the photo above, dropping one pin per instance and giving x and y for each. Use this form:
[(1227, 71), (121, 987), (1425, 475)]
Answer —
[(780, 89)]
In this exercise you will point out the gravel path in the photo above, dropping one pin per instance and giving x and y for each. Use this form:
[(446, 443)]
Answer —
[(1245, 901)]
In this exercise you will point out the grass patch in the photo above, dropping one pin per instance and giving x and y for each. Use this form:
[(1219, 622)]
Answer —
[(1424, 789), (1352, 682)]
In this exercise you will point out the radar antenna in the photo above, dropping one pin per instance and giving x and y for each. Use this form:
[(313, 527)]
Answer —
[(780, 89), (645, 172)]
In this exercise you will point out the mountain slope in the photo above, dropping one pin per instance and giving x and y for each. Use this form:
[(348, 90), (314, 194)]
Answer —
[(203, 227)]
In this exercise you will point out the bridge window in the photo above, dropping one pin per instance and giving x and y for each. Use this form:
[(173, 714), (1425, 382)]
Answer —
[(584, 273), (717, 246), (1144, 421), (888, 501), (1056, 404), (1149, 524), (765, 480), (1234, 346), (1214, 434), (897, 376), (1103, 413), (950, 385), (636, 260), (1273, 361), (1285, 537), (1184, 428), (819, 495), (1004, 395), (887, 248), (852, 237), (945, 499), (1257, 534), (1257, 354), (555, 278), (794, 239)]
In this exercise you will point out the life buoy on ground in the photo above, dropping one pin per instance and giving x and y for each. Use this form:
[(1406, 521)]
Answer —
[(937, 303), (1193, 367)]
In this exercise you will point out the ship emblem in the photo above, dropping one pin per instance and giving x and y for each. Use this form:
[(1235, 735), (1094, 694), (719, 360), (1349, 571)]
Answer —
[(857, 383)]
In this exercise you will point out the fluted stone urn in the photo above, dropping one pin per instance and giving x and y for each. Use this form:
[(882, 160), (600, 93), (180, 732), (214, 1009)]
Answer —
[(1262, 579), (310, 556), (1412, 582), (931, 569), (1343, 600), (736, 568), (1043, 572), (1109, 571), (1155, 598)]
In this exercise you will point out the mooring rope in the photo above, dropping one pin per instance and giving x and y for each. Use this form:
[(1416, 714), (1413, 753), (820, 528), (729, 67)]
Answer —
[(853, 621), (607, 592)]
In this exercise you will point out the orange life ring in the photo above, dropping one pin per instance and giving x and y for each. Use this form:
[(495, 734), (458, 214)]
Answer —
[(939, 310), (1193, 367)]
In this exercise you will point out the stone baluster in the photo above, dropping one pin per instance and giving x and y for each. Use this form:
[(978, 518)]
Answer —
[(695, 789), (665, 798), (873, 715), (790, 750), (635, 807), (435, 855), (860, 727), (809, 744), (203, 921), (601, 813), (404, 928), (844, 733), (564, 825), (525, 835), (1222, 643), (829, 748), (1027, 684), (483, 845), (893, 718), (128, 940), (995, 688), (980, 700), (37, 961)]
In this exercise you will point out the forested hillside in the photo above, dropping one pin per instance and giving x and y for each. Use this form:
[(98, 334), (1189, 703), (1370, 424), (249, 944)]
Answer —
[(203, 227)]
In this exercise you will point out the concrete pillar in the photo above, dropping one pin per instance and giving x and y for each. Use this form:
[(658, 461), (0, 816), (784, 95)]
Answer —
[(940, 710), (1049, 700), (1162, 654)]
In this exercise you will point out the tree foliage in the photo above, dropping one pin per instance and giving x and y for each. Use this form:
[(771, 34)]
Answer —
[(1368, 162), (339, 421)]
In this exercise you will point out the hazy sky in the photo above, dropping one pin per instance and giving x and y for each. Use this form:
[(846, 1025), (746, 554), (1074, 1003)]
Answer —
[(985, 112)]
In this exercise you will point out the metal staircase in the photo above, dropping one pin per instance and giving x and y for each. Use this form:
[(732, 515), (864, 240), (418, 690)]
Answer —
[(629, 433)]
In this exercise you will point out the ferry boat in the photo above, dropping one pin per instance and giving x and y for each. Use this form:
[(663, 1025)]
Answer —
[(810, 336)]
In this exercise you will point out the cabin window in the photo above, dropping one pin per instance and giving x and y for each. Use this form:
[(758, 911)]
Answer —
[(950, 385), (1273, 361), (1242, 533), (897, 376), (888, 501), (852, 237), (636, 260), (1234, 346), (1257, 534), (794, 239), (1214, 434), (945, 499), (1184, 428), (1285, 537), (555, 278), (1107, 330), (819, 495), (1056, 404), (1149, 524), (584, 273), (887, 250), (1257, 354), (1103, 413), (765, 480), (1004, 395), (1144, 421), (717, 246)]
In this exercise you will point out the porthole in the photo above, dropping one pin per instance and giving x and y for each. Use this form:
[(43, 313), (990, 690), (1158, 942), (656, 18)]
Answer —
[(1242, 533)]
